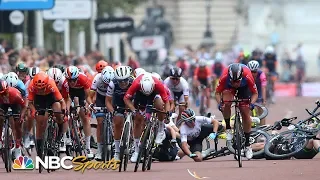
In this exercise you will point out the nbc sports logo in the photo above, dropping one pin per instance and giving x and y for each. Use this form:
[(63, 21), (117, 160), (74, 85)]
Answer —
[(23, 163)]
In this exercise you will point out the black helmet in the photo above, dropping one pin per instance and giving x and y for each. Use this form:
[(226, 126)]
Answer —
[(235, 71), (187, 115), (21, 67), (176, 72)]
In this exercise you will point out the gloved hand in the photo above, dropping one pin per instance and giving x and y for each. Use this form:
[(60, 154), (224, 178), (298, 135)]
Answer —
[(173, 141), (193, 155), (212, 136), (252, 106)]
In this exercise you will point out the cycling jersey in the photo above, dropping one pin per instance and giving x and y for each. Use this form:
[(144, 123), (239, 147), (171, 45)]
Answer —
[(98, 85), (22, 88), (247, 83), (178, 91), (191, 133), (63, 87), (83, 82), (202, 73), (13, 96), (271, 61), (261, 81), (217, 69), (51, 89), (26, 79), (136, 87), (117, 93)]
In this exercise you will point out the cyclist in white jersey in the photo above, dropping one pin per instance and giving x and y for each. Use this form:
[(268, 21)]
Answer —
[(193, 130), (179, 88), (99, 89)]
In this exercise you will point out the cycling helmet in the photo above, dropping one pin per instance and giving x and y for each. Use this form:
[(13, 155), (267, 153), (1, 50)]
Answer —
[(253, 65), (139, 71), (156, 75), (122, 73), (202, 63), (72, 72), (21, 67), (3, 86), (101, 65), (147, 84), (60, 66), (33, 71), (107, 74), (12, 79), (246, 54), (41, 80), (1, 76), (129, 68), (176, 72), (269, 50), (188, 115), (235, 71), (219, 57), (55, 74)]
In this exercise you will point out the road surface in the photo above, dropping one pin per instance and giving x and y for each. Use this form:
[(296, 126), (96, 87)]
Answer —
[(219, 168)]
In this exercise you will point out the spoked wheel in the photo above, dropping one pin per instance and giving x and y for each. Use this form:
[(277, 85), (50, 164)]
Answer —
[(152, 148), (285, 144), (77, 138), (239, 140), (7, 156), (124, 147), (143, 145), (44, 148)]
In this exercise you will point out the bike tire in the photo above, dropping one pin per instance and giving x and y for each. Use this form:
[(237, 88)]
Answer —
[(142, 147), (7, 153), (124, 144), (238, 137), (264, 109), (44, 148), (78, 147), (104, 141), (152, 147), (269, 144)]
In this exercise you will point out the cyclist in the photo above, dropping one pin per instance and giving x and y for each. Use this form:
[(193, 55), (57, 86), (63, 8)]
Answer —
[(60, 66), (145, 88), (22, 71), (13, 81), (84, 69), (79, 86), (63, 87), (193, 130), (99, 89), (137, 72), (244, 58), (261, 83), (202, 76), (237, 77), (11, 97), (29, 121), (179, 88), (114, 98), (217, 69), (270, 62), (257, 55), (43, 94), (100, 66)]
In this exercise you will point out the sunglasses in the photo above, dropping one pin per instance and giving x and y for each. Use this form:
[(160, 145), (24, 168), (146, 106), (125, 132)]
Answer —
[(237, 81), (72, 80), (123, 81), (175, 79), (190, 123)]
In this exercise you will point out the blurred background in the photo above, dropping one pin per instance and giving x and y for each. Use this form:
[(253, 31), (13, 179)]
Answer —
[(155, 33)]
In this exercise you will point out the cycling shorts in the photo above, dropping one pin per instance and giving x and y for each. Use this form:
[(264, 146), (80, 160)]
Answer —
[(100, 102), (143, 100), (178, 97), (203, 82), (15, 108), (74, 92), (243, 92), (44, 102)]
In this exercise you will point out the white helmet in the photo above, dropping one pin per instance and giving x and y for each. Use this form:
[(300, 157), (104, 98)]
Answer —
[(139, 71), (253, 65), (122, 72), (12, 79), (147, 84), (55, 74), (156, 75), (219, 57), (33, 71), (1, 76), (107, 74), (269, 50), (202, 63)]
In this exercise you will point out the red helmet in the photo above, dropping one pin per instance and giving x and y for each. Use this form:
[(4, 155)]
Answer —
[(3, 86), (41, 80), (101, 65)]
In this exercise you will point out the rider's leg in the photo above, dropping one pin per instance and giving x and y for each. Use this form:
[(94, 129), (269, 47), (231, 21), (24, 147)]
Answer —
[(226, 109), (158, 103), (137, 131), (246, 122), (118, 121), (208, 97), (28, 127), (100, 117)]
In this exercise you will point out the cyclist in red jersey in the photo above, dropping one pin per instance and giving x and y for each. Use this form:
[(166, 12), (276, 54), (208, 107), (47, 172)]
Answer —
[(44, 94), (145, 88), (11, 97), (79, 86), (237, 77)]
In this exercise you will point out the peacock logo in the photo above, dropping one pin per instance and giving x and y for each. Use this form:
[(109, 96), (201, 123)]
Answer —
[(23, 162)]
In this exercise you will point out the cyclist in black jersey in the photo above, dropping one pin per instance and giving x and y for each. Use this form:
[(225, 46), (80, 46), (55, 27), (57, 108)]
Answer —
[(115, 93)]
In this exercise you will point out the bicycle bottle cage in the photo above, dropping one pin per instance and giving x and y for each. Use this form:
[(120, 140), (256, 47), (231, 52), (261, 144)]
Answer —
[(287, 121)]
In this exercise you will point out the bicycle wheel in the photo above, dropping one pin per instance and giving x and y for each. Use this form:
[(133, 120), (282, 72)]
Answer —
[(78, 145), (51, 141), (143, 144), (124, 145), (7, 156), (152, 146), (282, 147), (109, 142), (44, 148), (238, 134)]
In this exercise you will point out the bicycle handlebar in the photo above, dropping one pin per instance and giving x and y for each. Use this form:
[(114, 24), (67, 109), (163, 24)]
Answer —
[(237, 100), (50, 111), (8, 114)]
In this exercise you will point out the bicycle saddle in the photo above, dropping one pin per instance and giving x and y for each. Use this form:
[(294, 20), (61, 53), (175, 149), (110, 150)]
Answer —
[(287, 121)]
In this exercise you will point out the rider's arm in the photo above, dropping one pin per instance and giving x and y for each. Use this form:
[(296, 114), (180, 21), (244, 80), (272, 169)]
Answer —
[(209, 74), (129, 94), (94, 87), (195, 73), (109, 96), (185, 86), (23, 104), (184, 144), (220, 87), (263, 80), (215, 124), (163, 93), (252, 86)]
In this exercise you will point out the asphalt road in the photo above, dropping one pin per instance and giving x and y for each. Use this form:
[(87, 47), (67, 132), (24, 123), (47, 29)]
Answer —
[(219, 168)]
